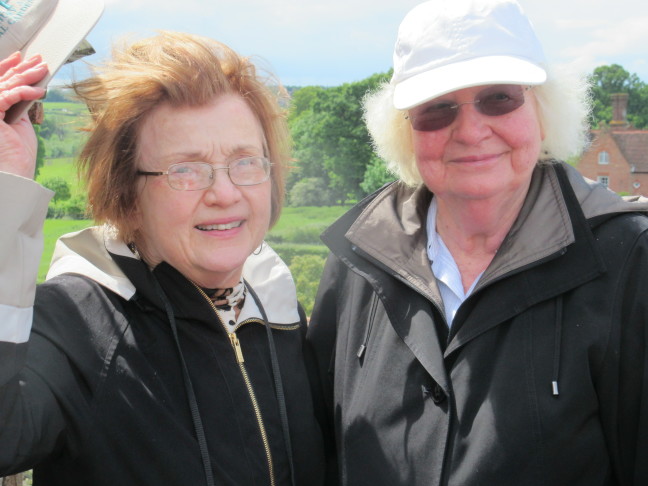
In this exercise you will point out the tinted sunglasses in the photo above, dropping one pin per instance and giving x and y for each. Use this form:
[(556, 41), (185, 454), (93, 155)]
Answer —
[(492, 101)]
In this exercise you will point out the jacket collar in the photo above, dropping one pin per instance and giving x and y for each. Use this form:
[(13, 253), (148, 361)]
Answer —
[(99, 254), (390, 226), (88, 252)]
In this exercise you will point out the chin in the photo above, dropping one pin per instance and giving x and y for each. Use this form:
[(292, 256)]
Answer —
[(227, 265)]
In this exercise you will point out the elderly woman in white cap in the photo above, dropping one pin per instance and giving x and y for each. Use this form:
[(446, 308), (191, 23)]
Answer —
[(483, 320)]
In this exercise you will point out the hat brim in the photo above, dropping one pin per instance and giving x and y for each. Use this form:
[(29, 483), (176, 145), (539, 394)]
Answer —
[(433, 83), (67, 26)]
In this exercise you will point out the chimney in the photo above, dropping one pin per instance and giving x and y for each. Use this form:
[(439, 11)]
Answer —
[(619, 109)]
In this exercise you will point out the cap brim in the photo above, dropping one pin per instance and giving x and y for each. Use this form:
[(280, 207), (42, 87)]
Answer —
[(67, 26), (433, 83)]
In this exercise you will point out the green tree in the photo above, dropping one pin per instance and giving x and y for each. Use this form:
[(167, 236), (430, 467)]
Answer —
[(307, 152), (331, 141), (307, 271), (311, 191), (76, 207), (54, 94), (310, 149), (607, 80), (302, 101), (376, 175), (55, 126), (60, 187), (40, 153)]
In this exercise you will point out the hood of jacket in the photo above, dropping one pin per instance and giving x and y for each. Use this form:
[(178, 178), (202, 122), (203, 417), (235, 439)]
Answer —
[(542, 228), (94, 253)]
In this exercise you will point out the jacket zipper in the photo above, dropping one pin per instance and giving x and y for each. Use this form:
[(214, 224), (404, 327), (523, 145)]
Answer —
[(238, 352)]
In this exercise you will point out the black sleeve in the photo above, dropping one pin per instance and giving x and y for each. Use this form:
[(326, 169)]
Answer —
[(632, 426), (31, 417), (623, 384), (75, 324), (320, 360)]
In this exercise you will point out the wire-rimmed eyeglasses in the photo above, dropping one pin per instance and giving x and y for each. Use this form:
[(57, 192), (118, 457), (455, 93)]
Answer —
[(194, 176)]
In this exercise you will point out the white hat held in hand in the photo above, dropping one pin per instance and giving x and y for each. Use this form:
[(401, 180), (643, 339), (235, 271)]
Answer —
[(51, 28)]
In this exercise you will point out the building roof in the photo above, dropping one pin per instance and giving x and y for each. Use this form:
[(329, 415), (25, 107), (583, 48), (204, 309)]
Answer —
[(633, 144)]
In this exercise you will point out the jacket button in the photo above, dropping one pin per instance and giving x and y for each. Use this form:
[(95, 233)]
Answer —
[(435, 393), (438, 396)]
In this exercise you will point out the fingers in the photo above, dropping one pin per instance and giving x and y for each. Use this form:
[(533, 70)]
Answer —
[(17, 78), (14, 72), (8, 98), (14, 63)]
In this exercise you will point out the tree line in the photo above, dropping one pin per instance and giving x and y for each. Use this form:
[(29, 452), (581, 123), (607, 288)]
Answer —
[(333, 158), (607, 80), (333, 151)]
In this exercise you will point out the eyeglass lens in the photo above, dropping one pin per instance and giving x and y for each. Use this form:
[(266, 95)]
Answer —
[(192, 176), (493, 101)]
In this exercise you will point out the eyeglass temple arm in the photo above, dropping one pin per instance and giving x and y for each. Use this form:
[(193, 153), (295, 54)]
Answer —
[(145, 172)]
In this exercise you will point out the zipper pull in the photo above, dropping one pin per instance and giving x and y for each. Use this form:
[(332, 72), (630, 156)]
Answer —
[(236, 344)]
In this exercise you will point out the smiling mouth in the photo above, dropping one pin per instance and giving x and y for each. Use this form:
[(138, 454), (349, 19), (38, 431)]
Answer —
[(478, 158), (220, 227)]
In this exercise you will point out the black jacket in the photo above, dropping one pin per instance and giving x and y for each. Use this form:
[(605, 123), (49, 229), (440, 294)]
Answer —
[(100, 398), (542, 378)]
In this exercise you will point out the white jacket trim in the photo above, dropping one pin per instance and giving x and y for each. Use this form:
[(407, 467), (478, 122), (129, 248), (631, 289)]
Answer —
[(16, 324), (24, 208), (271, 279), (85, 252)]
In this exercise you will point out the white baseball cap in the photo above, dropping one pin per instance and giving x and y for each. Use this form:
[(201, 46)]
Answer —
[(446, 45), (52, 28)]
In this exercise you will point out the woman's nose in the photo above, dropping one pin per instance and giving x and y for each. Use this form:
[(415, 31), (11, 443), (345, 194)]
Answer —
[(222, 191), (470, 126)]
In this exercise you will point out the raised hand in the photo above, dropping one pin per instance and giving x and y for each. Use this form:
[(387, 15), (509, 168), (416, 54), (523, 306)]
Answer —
[(18, 143)]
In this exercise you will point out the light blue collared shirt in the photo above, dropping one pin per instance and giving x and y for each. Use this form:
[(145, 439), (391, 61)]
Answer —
[(445, 268)]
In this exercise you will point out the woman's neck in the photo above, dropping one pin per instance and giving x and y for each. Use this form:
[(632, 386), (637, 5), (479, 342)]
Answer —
[(473, 230)]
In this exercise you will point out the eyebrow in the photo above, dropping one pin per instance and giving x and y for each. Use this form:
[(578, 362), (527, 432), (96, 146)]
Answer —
[(199, 155)]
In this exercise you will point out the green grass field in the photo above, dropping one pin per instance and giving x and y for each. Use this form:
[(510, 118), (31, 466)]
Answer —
[(303, 225), (66, 108), (64, 168), (305, 216)]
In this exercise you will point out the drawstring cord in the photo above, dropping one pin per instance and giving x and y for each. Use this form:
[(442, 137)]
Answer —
[(372, 314), (191, 396), (276, 373), (557, 343)]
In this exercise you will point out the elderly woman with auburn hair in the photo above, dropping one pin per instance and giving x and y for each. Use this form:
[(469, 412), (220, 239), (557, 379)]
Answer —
[(166, 345)]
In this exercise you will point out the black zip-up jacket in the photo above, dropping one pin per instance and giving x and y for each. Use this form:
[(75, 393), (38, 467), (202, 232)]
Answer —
[(100, 398), (542, 380)]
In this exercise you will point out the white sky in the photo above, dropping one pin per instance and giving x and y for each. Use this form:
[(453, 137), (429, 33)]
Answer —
[(331, 42)]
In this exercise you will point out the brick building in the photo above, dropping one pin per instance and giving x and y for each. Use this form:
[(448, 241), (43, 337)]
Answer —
[(618, 154)]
